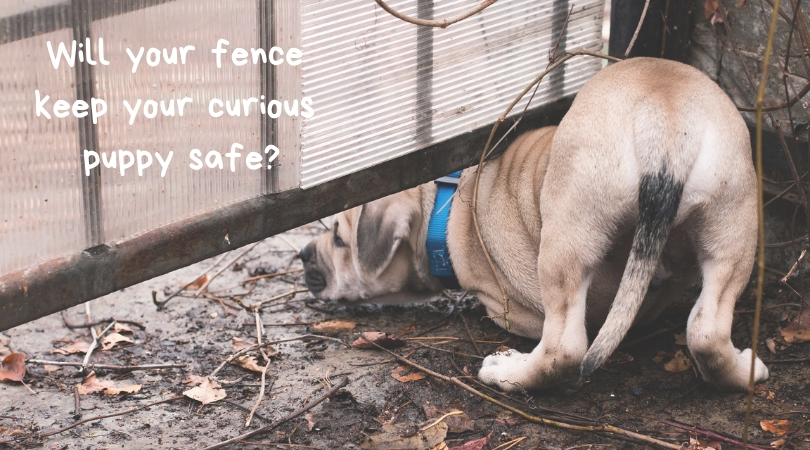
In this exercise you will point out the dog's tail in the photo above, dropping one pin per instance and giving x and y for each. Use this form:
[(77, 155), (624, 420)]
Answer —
[(659, 196)]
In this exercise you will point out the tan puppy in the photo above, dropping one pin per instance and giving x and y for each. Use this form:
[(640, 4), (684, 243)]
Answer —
[(646, 186)]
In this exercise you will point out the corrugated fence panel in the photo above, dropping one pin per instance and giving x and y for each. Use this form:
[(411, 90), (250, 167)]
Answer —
[(41, 200), (134, 204), (384, 88)]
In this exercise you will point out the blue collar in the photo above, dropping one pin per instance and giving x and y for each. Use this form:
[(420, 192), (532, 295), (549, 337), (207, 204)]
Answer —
[(438, 253)]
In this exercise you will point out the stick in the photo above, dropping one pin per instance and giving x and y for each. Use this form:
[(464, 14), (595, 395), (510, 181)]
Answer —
[(237, 405), (225, 267), (469, 333), (270, 275), (610, 429), (77, 410), (638, 28), (91, 367), (107, 416), (441, 23), (261, 395), (74, 326), (709, 434), (293, 292), (162, 304), (761, 221), (275, 424), (93, 345)]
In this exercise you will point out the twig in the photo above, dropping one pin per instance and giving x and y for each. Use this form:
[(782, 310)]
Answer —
[(449, 351), (77, 409), (784, 105), (793, 268), (787, 243), (510, 444), (266, 343), (107, 416), (275, 424), (293, 292), (469, 333), (261, 395), (440, 419), (552, 53), (270, 275), (162, 304), (93, 345), (91, 367), (74, 326), (441, 23), (787, 360), (237, 405), (609, 429), (287, 241), (749, 311), (709, 434), (223, 269), (638, 28)]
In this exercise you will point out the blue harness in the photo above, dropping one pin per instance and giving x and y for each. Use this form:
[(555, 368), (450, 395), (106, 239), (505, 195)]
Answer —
[(438, 254)]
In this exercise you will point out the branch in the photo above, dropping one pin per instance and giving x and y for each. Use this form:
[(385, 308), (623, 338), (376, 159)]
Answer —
[(441, 23)]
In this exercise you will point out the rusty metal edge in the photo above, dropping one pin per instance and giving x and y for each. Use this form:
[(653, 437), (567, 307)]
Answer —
[(64, 282)]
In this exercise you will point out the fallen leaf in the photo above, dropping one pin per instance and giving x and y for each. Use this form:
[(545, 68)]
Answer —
[(385, 340), (310, 421), (119, 328), (680, 338), (198, 283), (207, 392), (477, 444), (76, 347), (778, 443), (679, 363), (13, 368), (51, 368), (193, 380), (249, 363), (112, 339), (397, 373), (406, 330), (441, 446), (777, 427), (457, 423), (798, 330), (239, 344), (771, 344), (619, 358), (132, 389), (92, 384), (698, 444), (661, 356), (334, 326), (391, 438)]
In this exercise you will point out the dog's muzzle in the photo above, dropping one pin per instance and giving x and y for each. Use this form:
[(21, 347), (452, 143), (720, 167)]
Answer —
[(313, 277)]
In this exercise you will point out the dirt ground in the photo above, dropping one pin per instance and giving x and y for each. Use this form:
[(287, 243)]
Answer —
[(640, 390)]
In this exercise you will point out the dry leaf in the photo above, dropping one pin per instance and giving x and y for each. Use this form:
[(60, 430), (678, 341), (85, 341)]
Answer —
[(777, 427), (798, 330), (76, 347), (91, 384), (385, 340), (132, 389), (198, 283), (778, 443), (50, 368), (477, 444), (249, 363), (391, 438), (397, 373), (709, 8), (661, 356), (680, 338), (310, 421), (679, 363), (207, 392), (698, 444), (457, 423), (406, 330), (112, 339), (619, 358), (239, 344), (119, 328), (334, 326), (193, 380), (13, 368)]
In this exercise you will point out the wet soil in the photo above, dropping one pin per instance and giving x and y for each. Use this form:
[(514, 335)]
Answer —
[(635, 391)]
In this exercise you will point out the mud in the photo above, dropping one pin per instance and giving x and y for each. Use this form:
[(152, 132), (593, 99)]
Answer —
[(638, 394)]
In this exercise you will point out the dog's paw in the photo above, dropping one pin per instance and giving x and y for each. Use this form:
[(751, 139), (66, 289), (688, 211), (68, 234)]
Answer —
[(760, 370), (506, 370)]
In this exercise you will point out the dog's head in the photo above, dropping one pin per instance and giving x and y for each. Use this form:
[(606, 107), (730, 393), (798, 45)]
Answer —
[(367, 253)]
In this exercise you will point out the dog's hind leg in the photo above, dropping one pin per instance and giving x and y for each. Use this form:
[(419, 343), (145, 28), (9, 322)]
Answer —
[(726, 245), (565, 271)]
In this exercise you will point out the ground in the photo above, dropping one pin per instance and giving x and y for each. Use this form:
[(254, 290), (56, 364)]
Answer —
[(639, 390)]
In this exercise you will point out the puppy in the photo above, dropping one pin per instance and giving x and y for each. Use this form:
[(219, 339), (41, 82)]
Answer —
[(646, 186)]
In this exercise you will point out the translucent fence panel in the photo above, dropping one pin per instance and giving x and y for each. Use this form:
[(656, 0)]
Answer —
[(384, 88), (132, 203), (41, 215)]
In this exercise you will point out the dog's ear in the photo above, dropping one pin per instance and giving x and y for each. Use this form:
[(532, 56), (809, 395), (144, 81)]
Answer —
[(381, 228)]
